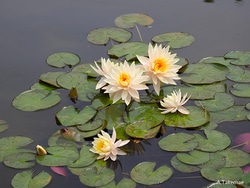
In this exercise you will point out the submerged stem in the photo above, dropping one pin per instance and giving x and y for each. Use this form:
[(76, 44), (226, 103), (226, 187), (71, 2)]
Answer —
[(139, 33), (242, 144)]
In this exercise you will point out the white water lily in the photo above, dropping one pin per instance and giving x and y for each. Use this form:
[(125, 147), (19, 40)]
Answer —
[(174, 102), (124, 82), (160, 66), (107, 147)]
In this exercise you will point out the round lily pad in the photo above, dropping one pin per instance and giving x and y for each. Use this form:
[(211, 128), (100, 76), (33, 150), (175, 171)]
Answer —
[(196, 117), (175, 39), (50, 78), (146, 174), (194, 157), (129, 20), (71, 79), (239, 57), (61, 59), (243, 78), (182, 167), (91, 125), (36, 99), (102, 36), (24, 179), (124, 183), (20, 160), (216, 161), (241, 90), (86, 69), (178, 142)]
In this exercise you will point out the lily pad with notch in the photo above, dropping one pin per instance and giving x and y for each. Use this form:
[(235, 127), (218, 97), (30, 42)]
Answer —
[(241, 90), (238, 57), (20, 160), (124, 183), (61, 59), (194, 157), (182, 167), (130, 20)]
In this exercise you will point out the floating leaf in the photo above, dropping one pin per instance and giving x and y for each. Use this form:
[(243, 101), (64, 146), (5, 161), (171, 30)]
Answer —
[(239, 57), (20, 160), (86, 69), (25, 180), (244, 77), (196, 117), (101, 100), (59, 170), (129, 49), (36, 99), (71, 79), (91, 133), (235, 157), (215, 141), (241, 90), (3, 125), (129, 20), (103, 35), (194, 157), (216, 161), (203, 73), (175, 39), (97, 123), (178, 142), (220, 102), (94, 177), (50, 78), (69, 116), (182, 167), (61, 59), (244, 141), (245, 180), (58, 156), (124, 183), (145, 174), (233, 174)]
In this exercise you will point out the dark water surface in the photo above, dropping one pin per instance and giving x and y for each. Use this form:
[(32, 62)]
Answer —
[(30, 30)]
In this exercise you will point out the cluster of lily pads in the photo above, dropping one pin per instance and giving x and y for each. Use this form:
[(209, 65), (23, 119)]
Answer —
[(207, 151)]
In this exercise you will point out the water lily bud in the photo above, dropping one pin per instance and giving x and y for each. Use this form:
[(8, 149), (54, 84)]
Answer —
[(40, 150)]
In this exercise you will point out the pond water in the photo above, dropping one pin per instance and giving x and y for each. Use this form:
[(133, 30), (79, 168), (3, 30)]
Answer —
[(31, 30)]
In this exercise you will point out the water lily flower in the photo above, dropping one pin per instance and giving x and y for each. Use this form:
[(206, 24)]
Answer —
[(174, 102), (40, 150), (107, 147), (125, 81), (160, 66), (104, 71)]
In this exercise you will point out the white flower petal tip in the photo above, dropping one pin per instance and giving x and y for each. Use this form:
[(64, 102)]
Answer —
[(40, 150), (174, 103), (107, 147)]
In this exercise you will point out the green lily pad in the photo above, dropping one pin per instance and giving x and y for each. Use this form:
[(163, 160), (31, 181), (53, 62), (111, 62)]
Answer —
[(129, 20), (243, 78), (175, 39), (220, 102), (86, 69), (94, 177), (69, 116), (43, 86), (196, 117), (245, 179), (20, 160), (58, 156), (215, 141), (25, 180), (94, 132), (124, 183), (182, 167), (234, 113), (145, 174), (33, 100), (129, 50), (9, 145), (71, 79), (101, 100), (102, 36), (61, 59), (202, 73), (235, 157), (97, 123), (233, 174), (178, 142), (194, 157), (239, 57), (241, 90), (3, 125), (142, 129), (216, 161), (50, 78)]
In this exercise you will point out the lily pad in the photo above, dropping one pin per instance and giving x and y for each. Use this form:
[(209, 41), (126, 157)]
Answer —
[(220, 102), (194, 157), (69, 116), (97, 123), (102, 36), (61, 59), (196, 117), (95, 177), (182, 167), (129, 20), (178, 142), (43, 86), (124, 183), (216, 161), (25, 180), (101, 100), (239, 57), (3, 125), (86, 69), (241, 90), (50, 78), (243, 78), (36, 99), (129, 50), (71, 79), (58, 156), (145, 174), (20, 160), (215, 141), (175, 39), (233, 174)]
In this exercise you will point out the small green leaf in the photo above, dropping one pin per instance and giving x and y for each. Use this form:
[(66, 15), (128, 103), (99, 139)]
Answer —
[(216, 161), (241, 90), (239, 57), (145, 174), (194, 157), (95, 124), (175, 39), (124, 183), (182, 167), (61, 59), (102, 36), (50, 78), (71, 79), (86, 69), (129, 20), (20, 160), (236, 77)]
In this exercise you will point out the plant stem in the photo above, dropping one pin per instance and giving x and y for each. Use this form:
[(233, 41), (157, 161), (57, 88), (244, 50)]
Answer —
[(139, 33)]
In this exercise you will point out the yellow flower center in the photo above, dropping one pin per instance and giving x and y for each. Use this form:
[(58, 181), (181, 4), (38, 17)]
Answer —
[(124, 79), (160, 65), (102, 145)]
